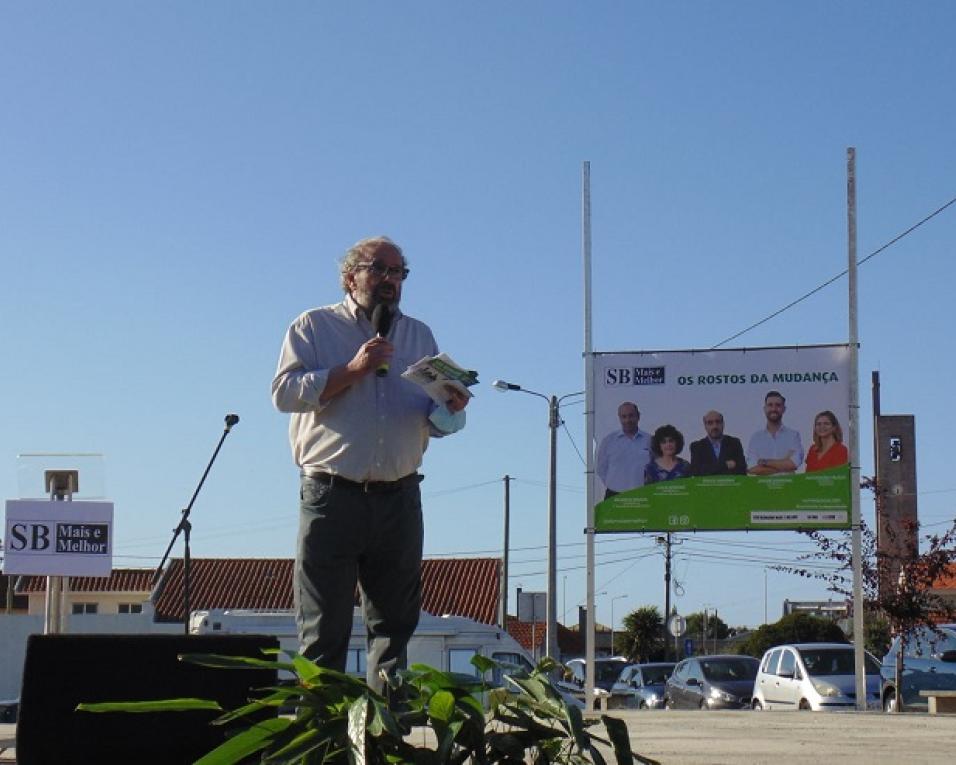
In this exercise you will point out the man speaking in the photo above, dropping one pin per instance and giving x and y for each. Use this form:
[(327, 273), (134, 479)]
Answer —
[(358, 432)]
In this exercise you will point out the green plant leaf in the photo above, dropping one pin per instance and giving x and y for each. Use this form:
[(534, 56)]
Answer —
[(442, 706), (533, 686), (298, 747), (510, 743), (245, 743), (483, 663), (447, 740), (617, 732), (219, 661), (545, 666), (305, 669), (162, 705), (621, 741), (382, 721), (275, 700), (436, 679), (576, 725), (470, 706)]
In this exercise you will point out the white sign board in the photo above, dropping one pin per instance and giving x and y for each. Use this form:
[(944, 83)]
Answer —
[(677, 625), (58, 538)]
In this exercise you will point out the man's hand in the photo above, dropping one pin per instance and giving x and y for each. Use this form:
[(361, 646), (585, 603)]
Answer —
[(367, 358), (370, 356), (456, 400)]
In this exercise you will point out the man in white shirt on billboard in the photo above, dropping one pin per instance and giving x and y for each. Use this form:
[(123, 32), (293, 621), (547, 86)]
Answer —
[(775, 448), (623, 454)]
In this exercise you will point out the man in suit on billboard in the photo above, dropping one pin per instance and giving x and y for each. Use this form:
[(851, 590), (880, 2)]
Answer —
[(717, 454)]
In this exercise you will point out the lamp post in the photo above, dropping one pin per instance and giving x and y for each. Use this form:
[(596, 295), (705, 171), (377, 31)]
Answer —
[(554, 420), (616, 597)]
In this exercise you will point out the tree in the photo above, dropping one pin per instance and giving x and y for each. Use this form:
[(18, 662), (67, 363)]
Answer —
[(704, 626), (907, 604), (642, 638), (792, 628), (876, 634)]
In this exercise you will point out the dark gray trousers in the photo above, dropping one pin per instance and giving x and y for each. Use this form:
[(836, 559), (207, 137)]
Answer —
[(349, 536)]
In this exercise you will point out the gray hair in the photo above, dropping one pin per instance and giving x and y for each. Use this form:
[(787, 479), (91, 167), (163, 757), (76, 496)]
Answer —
[(361, 251)]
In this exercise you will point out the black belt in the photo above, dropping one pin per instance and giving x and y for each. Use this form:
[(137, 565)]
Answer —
[(369, 487)]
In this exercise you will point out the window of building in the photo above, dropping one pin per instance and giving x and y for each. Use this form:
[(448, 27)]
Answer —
[(131, 608), (84, 608), (355, 663)]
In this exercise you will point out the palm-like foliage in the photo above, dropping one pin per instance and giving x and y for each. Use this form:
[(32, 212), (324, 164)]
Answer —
[(336, 718)]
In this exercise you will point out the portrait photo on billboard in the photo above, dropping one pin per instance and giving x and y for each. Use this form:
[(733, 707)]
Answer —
[(724, 439)]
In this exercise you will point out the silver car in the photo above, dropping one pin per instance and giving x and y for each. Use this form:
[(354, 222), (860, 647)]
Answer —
[(813, 676), (641, 686)]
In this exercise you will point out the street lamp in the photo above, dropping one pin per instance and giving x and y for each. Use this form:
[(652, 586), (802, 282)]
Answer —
[(554, 420), (616, 597)]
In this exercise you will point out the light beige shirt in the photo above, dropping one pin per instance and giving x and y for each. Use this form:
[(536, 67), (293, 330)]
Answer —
[(375, 430)]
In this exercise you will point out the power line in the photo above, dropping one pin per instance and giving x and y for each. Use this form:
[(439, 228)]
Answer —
[(457, 489), (571, 439), (840, 275)]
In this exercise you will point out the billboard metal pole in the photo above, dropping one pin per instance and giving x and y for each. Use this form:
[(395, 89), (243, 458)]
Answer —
[(503, 608), (589, 429), (857, 534)]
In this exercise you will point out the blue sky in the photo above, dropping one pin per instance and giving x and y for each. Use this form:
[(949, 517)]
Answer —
[(177, 181)]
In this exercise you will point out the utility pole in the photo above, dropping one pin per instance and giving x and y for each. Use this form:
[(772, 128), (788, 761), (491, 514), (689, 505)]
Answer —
[(666, 542), (667, 581)]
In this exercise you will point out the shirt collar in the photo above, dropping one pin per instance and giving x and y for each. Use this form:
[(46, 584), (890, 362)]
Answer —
[(640, 433)]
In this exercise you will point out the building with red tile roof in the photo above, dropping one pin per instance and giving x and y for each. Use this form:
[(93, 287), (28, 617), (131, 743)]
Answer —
[(459, 586)]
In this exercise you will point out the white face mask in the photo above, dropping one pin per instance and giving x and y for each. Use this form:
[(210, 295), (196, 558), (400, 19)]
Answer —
[(447, 422)]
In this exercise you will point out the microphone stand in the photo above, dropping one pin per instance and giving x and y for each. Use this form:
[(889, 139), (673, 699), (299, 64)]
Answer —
[(185, 527)]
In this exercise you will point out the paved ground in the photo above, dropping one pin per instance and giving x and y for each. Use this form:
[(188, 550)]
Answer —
[(758, 738), (785, 738), (7, 733)]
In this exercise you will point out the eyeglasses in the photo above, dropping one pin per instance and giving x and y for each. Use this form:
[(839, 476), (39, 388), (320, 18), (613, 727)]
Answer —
[(379, 269)]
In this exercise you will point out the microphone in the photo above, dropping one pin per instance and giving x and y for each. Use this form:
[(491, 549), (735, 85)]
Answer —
[(381, 323), (231, 419)]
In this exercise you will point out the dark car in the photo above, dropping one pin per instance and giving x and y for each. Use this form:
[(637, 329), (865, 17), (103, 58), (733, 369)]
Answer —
[(8, 710), (641, 686), (929, 664), (711, 682)]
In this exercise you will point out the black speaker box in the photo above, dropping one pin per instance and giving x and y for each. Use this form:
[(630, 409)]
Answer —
[(61, 671)]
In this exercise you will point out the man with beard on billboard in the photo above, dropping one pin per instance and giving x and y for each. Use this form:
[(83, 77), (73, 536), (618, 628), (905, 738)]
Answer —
[(775, 448), (717, 453)]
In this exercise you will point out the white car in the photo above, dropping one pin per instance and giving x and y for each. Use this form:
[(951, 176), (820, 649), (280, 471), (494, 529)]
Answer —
[(813, 676)]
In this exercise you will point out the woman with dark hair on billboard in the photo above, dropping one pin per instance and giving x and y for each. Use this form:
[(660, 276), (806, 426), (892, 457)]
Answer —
[(665, 465), (828, 450)]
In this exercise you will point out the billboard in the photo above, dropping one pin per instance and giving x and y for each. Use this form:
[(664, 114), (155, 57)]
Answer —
[(722, 439)]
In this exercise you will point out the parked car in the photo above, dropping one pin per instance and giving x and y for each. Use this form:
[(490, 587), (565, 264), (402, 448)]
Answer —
[(606, 671), (711, 682), (929, 664), (641, 686), (817, 676), (8, 710)]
